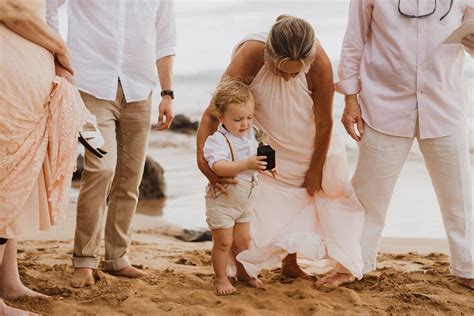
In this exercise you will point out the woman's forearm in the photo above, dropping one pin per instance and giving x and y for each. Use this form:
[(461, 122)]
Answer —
[(207, 126), (321, 143), (18, 17)]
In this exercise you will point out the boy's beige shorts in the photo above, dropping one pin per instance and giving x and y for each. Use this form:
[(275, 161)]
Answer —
[(224, 211)]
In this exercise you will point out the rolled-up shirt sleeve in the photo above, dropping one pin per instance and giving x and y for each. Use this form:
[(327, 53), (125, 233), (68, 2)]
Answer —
[(216, 149), (358, 28), (165, 30)]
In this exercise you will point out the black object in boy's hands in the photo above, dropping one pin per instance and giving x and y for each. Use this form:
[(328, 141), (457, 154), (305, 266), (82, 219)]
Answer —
[(269, 152)]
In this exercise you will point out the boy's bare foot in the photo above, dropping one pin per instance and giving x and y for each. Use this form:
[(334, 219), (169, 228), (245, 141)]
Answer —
[(293, 270), (224, 287), (336, 279), (469, 283), (82, 277), (253, 282), (128, 272)]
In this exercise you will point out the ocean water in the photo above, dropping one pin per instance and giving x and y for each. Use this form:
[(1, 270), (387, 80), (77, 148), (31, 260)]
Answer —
[(207, 33)]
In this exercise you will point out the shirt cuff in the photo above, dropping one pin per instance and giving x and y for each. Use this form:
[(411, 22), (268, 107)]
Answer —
[(348, 86), (165, 51)]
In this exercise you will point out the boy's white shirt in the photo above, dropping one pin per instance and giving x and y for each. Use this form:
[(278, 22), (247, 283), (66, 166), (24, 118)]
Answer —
[(217, 149)]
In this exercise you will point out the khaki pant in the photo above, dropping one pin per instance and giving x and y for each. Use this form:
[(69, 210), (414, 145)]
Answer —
[(109, 186), (381, 158)]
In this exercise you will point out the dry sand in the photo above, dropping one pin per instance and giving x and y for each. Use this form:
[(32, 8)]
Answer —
[(179, 282)]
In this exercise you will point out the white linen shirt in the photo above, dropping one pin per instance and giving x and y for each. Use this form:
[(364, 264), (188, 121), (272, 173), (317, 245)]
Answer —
[(117, 39), (401, 69), (217, 149)]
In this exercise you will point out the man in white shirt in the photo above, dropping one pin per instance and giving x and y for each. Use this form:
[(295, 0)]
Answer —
[(115, 47), (400, 83)]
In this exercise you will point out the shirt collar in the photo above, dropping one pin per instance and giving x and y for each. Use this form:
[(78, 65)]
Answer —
[(231, 136)]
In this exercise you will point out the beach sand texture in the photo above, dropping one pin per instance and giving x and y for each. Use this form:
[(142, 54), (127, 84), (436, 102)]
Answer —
[(179, 282)]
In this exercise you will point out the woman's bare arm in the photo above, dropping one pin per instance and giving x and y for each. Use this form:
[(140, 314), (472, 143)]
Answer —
[(320, 82), (18, 17), (245, 64)]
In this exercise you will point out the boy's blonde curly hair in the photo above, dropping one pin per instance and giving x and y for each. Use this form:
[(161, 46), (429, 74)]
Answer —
[(230, 91)]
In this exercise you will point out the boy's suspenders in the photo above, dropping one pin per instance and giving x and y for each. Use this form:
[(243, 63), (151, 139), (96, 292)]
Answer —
[(230, 146)]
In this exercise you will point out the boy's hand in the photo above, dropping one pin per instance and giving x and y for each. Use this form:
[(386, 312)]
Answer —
[(256, 163), (274, 173)]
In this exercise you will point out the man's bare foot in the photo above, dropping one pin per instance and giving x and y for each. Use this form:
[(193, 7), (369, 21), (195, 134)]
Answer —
[(293, 270), (253, 282), (128, 272), (224, 287), (335, 279), (82, 277), (469, 283), (10, 311)]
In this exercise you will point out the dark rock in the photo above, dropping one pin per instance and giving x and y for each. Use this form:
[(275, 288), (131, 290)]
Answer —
[(153, 182), (182, 124), (190, 235)]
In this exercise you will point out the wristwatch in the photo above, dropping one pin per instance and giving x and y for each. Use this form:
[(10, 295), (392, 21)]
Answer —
[(167, 92)]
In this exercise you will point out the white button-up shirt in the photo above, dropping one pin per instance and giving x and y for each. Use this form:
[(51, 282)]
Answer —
[(117, 39), (216, 149), (402, 70)]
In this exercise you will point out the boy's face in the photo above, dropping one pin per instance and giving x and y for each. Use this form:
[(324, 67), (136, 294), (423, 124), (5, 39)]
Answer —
[(238, 118)]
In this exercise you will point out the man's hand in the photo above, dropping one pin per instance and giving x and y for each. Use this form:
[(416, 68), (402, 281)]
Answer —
[(353, 116), (63, 72), (468, 41), (215, 182), (312, 181), (165, 113)]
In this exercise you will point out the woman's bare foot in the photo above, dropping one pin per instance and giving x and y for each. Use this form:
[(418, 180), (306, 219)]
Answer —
[(128, 272), (82, 277), (335, 279), (6, 310), (224, 287), (11, 293), (293, 270), (469, 283)]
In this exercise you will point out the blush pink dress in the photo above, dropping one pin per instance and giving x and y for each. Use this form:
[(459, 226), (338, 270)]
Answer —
[(286, 219), (40, 117)]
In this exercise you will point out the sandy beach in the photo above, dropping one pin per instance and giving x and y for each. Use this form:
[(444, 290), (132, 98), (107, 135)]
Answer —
[(179, 282), (412, 277)]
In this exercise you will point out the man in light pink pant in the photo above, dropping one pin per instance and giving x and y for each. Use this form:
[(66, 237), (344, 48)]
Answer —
[(400, 83)]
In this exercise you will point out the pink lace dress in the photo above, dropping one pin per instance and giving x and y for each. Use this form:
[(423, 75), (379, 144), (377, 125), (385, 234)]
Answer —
[(41, 116), (286, 219)]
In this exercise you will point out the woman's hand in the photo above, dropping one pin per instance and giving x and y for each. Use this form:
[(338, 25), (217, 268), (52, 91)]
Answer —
[(63, 60), (468, 42), (215, 182), (63, 72), (256, 163), (353, 116), (312, 181)]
